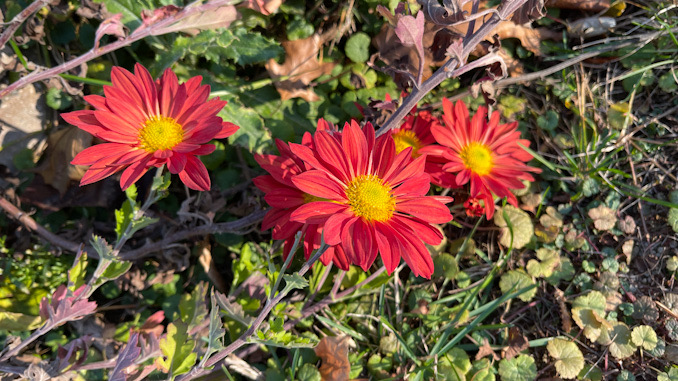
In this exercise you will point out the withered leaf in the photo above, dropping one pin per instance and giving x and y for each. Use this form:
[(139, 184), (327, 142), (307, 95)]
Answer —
[(516, 343), (302, 66), (447, 14), (410, 31), (111, 26), (530, 11), (62, 146), (333, 351), (485, 349)]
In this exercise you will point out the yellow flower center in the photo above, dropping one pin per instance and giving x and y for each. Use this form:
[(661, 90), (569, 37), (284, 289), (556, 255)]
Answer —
[(407, 138), (370, 198), (478, 158), (160, 133)]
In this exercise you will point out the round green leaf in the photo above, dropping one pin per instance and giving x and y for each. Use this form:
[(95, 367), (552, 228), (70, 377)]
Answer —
[(520, 280), (358, 47), (644, 336), (520, 368), (569, 359), (445, 266), (521, 226), (308, 372)]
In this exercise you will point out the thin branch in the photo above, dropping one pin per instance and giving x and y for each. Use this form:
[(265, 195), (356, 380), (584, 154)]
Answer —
[(155, 29), (142, 252), (19, 19), (445, 71)]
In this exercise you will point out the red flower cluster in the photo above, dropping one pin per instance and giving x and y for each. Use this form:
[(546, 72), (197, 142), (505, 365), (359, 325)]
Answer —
[(148, 124), (367, 198)]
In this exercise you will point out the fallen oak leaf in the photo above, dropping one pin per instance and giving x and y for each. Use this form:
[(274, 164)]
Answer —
[(302, 66), (333, 351), (62, 146)]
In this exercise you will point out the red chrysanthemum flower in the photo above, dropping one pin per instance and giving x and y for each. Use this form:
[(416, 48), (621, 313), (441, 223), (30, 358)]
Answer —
[(415, 132), (473, 207), (375, 199), (148, 124), (484, 153), (284, 198)]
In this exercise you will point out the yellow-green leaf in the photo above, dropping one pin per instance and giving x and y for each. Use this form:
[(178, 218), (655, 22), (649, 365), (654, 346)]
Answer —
[(569, 359), (177, 350)]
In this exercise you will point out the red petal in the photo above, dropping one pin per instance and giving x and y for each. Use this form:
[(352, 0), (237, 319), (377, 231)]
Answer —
[(317, 212), (227, 129), (319, 184), (333, 227), (195, 175), (133, 173), (426, 208)]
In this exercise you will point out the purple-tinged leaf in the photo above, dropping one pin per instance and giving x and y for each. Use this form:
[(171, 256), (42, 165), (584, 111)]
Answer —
[(65, 307), (65, 356), (456, 50), (150, 17), (111, 26), (410, 31), (126, 358)]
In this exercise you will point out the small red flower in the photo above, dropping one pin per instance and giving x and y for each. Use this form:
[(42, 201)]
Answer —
[(284, 198), (373, 199), (473, 207), (148, 124), (485, 153)]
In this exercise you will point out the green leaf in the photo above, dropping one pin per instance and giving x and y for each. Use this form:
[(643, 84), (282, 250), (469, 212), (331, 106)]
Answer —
[(617, 115), (548, 122), (625, 375), (644, 336), (76, 275), (215, 337), (192, 309), (521, 229), (379, 367), (445, 265), (101, 247), (672, 263), (514, 280), (14, 321), (358, 47), (672, 375), (547, 263), (177, 350), (308, 372), (130, 9), (673, 212), (590, 373), (299, 28), (520, 368), (667, 82), (618, 338), (454, 365), (588, 312), (58, 99), (569, 359), (114, 270), (251, 47), (565, 271), (252, 134), (294, 281), (123, 217)]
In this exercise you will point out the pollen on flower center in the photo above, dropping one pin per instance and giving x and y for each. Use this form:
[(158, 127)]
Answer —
[(160, 133), (370, 198), (407, 138), (478, 158)]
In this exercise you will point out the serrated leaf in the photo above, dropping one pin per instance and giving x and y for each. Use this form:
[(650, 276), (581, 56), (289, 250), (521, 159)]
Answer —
[(521, 368), (514, 280), (216, 329), (569, 359), (644, 336), (548, 261), (126, 358), (177, 350), (294, 281), (101, 247), (252, 134), (76, 275), (521, 228), (192, 309), (251, 47)]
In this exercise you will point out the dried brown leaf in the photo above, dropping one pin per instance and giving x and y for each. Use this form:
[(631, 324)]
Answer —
[(582, 5), (62, 146), (302, 65), (486, 350), (516, 343), (333, 351)]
